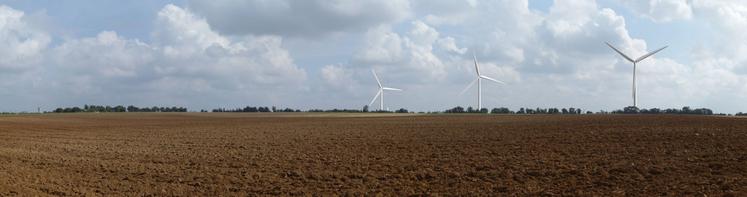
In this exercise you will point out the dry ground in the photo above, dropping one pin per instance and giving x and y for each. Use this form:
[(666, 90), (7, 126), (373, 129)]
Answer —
[(209, 154)]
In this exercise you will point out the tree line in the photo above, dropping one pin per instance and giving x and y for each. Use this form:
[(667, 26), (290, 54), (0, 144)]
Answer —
[(458, 109), (118, 108), (572, 110), (250, 109), (503, 110), (684, 110), (275, 109)]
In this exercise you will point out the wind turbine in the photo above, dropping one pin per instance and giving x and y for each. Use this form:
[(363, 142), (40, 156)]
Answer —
[(479, 77), (380, 92), (635, 62)]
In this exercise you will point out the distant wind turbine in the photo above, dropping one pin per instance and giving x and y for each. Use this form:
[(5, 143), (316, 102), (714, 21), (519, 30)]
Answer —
[(380, 92), (635, 87), (478, 78)]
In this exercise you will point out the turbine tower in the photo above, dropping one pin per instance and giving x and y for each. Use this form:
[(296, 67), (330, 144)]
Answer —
[(478, 78), (380, 92), (635, 62)]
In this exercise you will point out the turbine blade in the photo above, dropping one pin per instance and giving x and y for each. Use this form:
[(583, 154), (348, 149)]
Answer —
[(395, 89), (477, 68), (376, 77), (491, 79), (618, 51), (468, 86), (650, 54), (374, 98)]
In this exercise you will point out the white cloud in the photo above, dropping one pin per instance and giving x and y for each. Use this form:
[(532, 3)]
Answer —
[(238, 52), (382, 46), (662, 10), (21, 44), (299, 18), (105, 56), (449, 44), (185, 60), (561, 52), (191, 49), (444, 12), (729, 19), (99, 65), (421, 51), (338, 77), (184, 34)]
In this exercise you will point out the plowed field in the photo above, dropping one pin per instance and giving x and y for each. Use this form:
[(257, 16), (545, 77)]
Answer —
[(207, 154)]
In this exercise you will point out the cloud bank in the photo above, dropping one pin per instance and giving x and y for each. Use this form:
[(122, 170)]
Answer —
[(226, 53)]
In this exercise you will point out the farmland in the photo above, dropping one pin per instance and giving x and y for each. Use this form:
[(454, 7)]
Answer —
[(209, 154)]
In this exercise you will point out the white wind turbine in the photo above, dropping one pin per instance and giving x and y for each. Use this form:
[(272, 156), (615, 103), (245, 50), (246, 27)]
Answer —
[(380, 92), (635, 87), (479, 77)]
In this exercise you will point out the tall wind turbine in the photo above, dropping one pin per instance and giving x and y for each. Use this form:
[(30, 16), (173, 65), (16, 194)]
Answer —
[(478, 78), (635, 87), (380, 92)]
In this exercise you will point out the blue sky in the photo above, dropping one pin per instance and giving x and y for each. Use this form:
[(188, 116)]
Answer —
[(132, 19), (318, 54)]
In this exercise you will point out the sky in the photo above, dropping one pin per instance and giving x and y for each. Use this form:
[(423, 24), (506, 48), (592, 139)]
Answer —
[(319, 53)]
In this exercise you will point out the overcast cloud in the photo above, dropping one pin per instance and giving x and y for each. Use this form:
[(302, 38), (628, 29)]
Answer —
[(319, 54)]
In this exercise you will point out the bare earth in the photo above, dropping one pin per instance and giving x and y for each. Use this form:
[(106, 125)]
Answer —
[(208, 154)]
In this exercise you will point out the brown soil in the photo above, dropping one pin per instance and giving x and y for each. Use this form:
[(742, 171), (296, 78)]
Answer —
[(237, 154)]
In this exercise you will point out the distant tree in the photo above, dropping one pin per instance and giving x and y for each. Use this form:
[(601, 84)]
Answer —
[(671, 111), (501, 110), (654, 111), (686, 110), (644, 111), (541, 111), (264, 109), (702, 111), (365, 108), (495, 111), (457, 109), (553, 111), (631, 110)]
